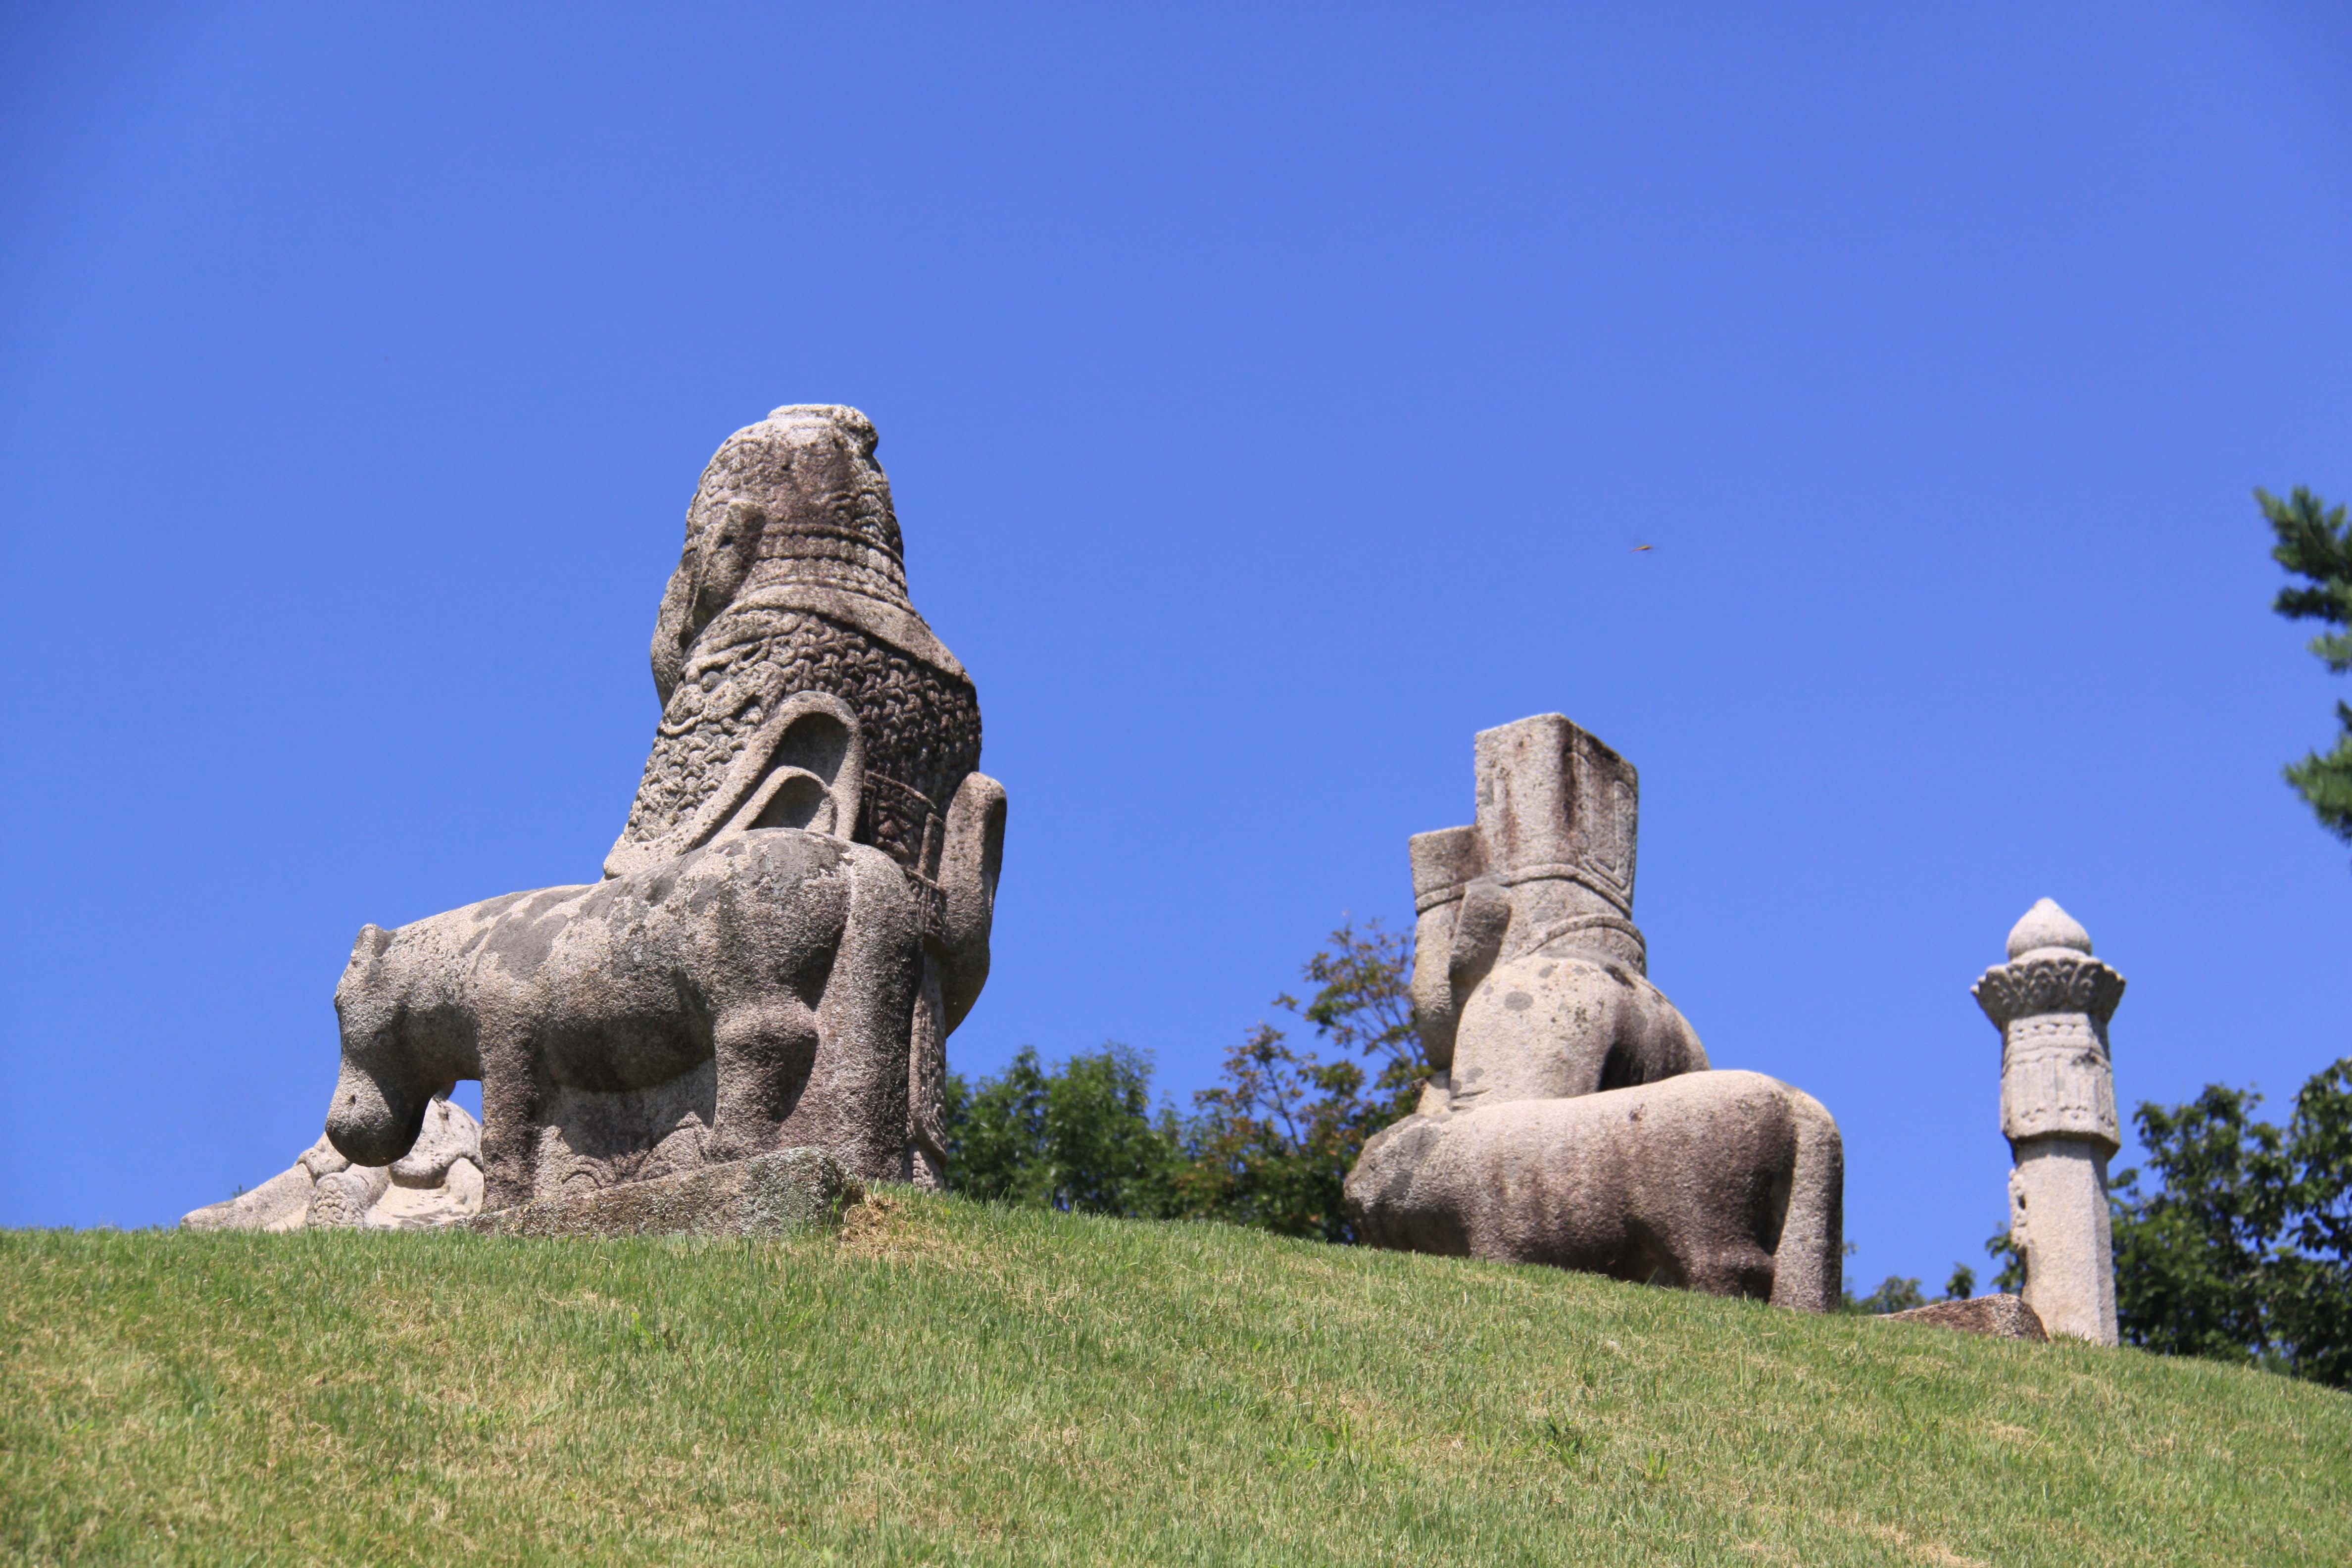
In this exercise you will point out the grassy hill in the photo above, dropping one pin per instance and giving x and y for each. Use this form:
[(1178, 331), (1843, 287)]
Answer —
[(950, 1382)]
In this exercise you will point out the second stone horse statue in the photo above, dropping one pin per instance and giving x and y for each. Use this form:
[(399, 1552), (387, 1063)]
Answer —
[(1572, 1118), (796, 915)]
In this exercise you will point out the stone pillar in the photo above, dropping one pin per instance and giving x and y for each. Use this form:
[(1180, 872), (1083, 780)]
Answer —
[(2051, 1002)]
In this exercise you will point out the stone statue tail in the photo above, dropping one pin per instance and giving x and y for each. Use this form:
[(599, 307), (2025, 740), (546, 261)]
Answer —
[(1808, 1267)]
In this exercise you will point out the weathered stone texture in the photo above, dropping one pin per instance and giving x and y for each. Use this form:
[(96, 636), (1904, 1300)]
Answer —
[(792, 579), (923, 727), (767, 1194), (1572, 1118), (1683, 1182), (794, 916), (750, 994), (2051, 1003), (1995, 1317), (437, 1183)]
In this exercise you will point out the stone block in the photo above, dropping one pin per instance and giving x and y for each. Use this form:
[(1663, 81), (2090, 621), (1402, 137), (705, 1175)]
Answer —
[(1995, 1317), (767, 1195)]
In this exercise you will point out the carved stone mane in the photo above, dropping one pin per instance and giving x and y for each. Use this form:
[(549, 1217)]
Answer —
[(792, 580)]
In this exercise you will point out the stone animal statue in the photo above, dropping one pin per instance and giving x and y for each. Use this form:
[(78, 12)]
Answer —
[(1572, 1118), (439, 1181), (795, 915)]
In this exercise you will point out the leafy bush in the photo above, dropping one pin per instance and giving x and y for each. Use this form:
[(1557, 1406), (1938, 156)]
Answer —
[(1081, 1137), (2243, 1250), (1898, 1294), (1268, 1145)]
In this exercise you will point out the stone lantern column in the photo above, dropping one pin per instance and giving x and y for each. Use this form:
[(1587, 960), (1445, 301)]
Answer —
[(2051, 1002)]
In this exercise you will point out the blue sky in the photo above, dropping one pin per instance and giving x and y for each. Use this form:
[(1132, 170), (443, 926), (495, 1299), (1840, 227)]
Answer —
[(1273, 398)]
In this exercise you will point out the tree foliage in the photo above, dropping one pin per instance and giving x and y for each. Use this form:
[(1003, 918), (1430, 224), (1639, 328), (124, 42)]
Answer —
[(2189, 1256), (1269, 1145), (1081, 1136), (1897, 1293), (2242, 1251), (2316, 543)]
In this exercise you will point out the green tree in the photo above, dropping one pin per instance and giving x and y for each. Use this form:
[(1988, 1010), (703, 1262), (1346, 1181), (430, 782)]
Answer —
[(1363, 1005), (2243, 1250), (1895, 1294), (1898, 1294), (2316, 543), (1081, 1137), (2011, 1275), (1271, 1143), (2311, 1295), (2192, 1257)]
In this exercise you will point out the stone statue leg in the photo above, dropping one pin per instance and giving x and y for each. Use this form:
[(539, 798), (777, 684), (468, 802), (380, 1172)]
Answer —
[(1745, 1176), (855, 1099), (1808, 1262), (764, 1048), (515, 1097), (926, 1076)]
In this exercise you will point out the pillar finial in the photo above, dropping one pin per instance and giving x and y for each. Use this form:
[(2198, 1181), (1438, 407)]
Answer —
[(2047, 925)]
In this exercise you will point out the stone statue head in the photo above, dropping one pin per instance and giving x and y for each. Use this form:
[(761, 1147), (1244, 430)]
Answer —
[(799, 686), (802, 487)]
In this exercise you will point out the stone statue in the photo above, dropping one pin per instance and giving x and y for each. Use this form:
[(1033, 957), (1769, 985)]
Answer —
[(1572, 1118), (795, 915), (439, 1181), (2051, 1002)]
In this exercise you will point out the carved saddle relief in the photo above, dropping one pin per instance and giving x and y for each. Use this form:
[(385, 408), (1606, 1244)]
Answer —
[(804, 767), (816, 770)]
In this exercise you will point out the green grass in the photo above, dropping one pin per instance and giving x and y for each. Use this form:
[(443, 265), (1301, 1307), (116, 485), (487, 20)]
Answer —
[(954, 1382)]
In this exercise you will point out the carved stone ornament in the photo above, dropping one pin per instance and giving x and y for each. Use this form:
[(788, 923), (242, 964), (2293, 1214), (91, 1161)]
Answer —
[(437, 1183), (2055, 1077), (2052, 1003), (2049, 983)]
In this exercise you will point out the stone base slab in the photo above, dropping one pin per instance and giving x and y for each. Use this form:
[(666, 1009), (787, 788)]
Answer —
[(1995, 1317), (767, 1195)]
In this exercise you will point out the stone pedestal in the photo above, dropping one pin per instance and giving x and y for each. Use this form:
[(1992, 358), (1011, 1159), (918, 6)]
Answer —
[(767, 1195), (2051, 1002)]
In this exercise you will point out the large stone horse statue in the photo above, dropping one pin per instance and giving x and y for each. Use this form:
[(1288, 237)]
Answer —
[(796, 914), (1571, 1118)]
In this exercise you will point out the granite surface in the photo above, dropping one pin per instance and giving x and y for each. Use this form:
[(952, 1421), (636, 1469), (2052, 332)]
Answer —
[(1995, 1317), (767, 1195)]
